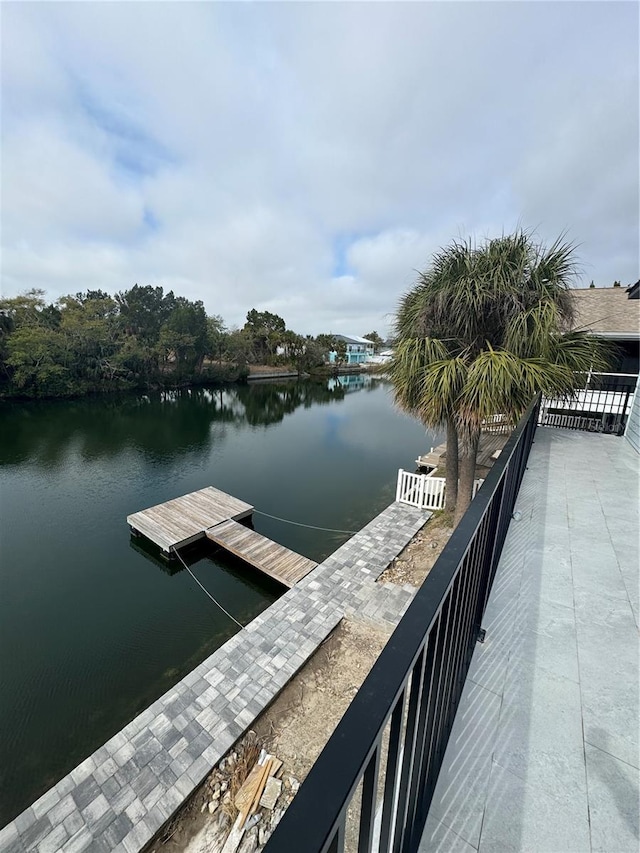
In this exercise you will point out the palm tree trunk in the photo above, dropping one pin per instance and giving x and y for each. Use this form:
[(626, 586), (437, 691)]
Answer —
[(451, 488), (468, 454)]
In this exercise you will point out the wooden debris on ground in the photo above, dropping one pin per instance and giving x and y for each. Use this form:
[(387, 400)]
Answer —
[(276, 770), (261, 789), (272, 791), (245, 797), (235, 836), (248, 797)]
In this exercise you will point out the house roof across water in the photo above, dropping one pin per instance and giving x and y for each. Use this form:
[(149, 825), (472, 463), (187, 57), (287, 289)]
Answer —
[(353, 339)]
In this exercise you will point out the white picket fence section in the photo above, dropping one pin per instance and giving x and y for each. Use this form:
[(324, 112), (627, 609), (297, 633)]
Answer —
[(424, 491), (499, 424)]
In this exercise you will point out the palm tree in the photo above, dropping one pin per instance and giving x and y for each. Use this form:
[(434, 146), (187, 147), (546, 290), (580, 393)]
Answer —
[(485, 328), (408, 371)]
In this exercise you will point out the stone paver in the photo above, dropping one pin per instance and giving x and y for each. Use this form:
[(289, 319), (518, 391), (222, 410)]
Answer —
[(119, 797), (544, 750)]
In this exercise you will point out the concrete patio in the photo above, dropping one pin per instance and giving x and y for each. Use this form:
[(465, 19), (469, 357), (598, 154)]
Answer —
[(544, 751)]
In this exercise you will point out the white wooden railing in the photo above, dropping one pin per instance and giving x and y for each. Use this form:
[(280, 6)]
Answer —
[(499, 424), (424, 491)]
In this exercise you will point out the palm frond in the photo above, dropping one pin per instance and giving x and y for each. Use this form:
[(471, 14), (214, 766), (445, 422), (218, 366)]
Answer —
[(530, 332), (583, 352), (486, 327), (407, 368)]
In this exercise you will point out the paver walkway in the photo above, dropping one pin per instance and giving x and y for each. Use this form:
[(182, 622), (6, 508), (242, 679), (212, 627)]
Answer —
[(120, 796), (544, 751)]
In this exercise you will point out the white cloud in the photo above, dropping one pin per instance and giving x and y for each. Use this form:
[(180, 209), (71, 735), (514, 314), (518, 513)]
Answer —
[(60, 190), (307, 158)]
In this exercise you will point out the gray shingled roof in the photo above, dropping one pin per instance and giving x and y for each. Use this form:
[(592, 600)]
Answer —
[(607, 311), (353, 339)]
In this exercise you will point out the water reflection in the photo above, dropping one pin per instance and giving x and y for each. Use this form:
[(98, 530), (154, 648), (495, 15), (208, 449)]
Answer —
[(353, 382), (161, 424), (204, 555), (92, 627), (143, 546)]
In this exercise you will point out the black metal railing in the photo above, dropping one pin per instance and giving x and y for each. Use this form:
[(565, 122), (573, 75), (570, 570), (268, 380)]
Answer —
[(385, 755), (603, 405)]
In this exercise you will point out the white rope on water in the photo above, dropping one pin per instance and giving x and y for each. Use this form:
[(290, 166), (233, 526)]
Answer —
[(298, 524), (206, 592)]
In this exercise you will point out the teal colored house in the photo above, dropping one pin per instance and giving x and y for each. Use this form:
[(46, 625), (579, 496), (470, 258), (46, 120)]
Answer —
[(359, 350)]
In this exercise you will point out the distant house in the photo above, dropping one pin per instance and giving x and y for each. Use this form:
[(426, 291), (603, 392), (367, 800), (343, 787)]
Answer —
[(383, 357), (612, 313), (359, 350)]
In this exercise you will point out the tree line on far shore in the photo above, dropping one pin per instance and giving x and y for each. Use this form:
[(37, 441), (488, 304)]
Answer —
[(141, 337)]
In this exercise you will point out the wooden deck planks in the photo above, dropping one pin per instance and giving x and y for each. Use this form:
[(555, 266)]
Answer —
[(490, 443), (214, 513), (274, 560), (184, 519)]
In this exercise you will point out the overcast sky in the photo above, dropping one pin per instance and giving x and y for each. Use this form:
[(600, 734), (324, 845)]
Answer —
[(306, 158)]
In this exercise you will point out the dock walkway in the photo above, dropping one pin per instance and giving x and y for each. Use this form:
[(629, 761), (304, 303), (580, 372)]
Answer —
[(269, 557)]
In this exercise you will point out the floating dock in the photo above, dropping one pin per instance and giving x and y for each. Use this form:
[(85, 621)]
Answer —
[(214, 514), (184, 520)]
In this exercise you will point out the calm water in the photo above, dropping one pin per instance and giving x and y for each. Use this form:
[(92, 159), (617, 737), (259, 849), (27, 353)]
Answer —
[(92, 629)]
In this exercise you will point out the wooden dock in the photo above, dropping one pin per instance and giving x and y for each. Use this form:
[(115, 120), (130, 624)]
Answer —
[(184, 520), (274, 560), (214, 514), (490, 447)]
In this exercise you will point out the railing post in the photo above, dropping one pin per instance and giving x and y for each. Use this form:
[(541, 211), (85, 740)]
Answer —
[(368, 804), (408, 757), (391, 775), (623, 414)]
